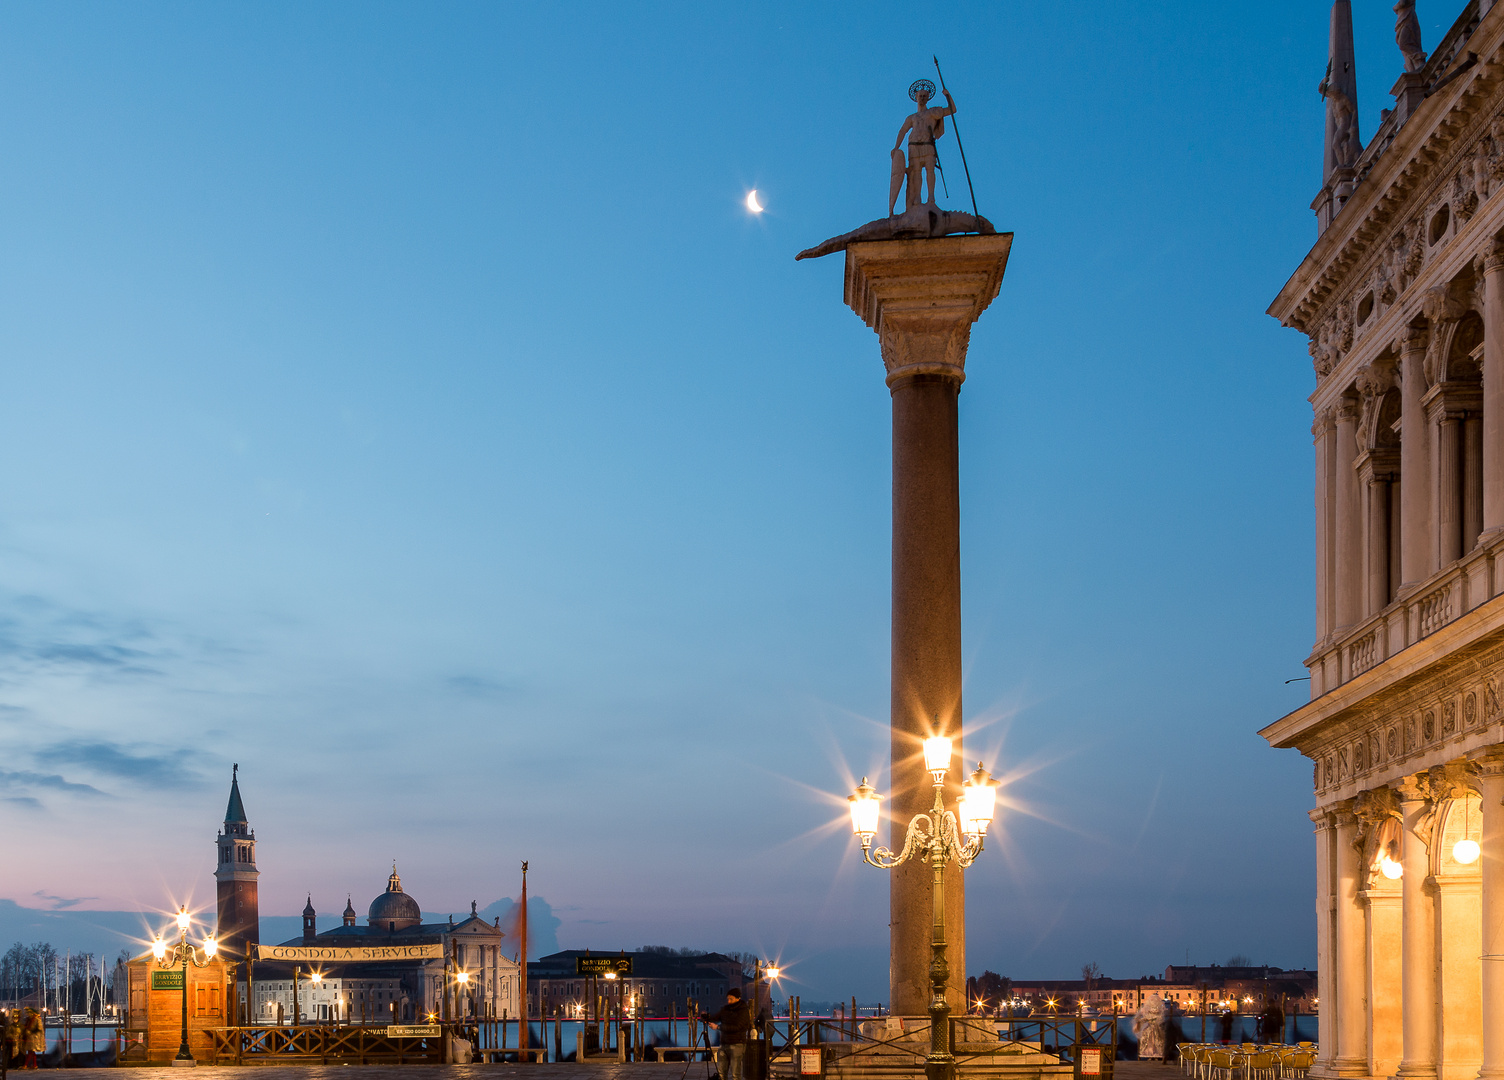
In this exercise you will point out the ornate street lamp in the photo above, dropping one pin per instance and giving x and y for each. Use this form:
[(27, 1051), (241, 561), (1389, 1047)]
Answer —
[(936, 839), (184, 953)]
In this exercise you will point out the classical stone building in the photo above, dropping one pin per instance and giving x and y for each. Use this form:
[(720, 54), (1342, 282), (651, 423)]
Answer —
[(396, 968), (1402, 298)]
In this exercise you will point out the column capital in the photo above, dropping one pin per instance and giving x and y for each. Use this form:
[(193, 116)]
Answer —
[(1412, 339), (1347, 410), (1323, 420), (1493, 255), (1341, 814), (1488, 763), (921, 297), (1413, 788)]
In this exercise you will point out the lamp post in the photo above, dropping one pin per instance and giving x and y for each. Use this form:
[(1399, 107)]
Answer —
[(936, 839), (184, 953)]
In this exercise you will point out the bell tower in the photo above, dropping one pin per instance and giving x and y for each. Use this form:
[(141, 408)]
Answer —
[(235, 879)]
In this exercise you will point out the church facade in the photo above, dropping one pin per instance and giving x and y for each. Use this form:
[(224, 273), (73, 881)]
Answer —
[(1402, 299), (393, 969)]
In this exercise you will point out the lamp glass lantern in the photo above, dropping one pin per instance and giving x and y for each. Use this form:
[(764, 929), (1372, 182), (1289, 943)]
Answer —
[(865, 805), (937, 751)]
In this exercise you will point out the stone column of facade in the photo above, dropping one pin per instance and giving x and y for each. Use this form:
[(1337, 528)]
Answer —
[(1349, 561), (1491, 869), (1323, 434), (1326, 990), (1417, 533), (922, 296), (1418, 934), (1448, 489), (1376, 547), (1493, 390), (1385, 958), (1472, 480), (1350, 954)]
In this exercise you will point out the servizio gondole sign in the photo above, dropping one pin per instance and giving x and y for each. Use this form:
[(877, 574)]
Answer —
[(348, 954)]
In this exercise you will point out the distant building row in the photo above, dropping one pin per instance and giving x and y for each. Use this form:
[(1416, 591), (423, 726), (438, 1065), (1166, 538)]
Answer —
[(1191, 989)]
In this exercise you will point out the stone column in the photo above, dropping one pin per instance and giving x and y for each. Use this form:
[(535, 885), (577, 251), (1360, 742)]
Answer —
[(1350, 954), (1376, 558), (922, 296), (1349, 561), (1418, 935), (1472, 480), (1491, 911), (1326, 983), (1493, 389), (1417, 534), (1448, 489), (1323, 434)]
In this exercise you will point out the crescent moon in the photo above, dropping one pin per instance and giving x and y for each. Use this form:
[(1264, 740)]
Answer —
[(752, 203)]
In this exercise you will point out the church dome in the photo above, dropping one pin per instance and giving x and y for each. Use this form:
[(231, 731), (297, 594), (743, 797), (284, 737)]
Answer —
[(394, 909)]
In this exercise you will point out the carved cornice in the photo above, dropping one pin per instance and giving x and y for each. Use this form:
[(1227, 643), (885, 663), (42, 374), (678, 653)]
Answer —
[(1441, 155)]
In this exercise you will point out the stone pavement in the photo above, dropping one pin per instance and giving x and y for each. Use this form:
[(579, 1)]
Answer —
[(593, 1070), (673, 1070)]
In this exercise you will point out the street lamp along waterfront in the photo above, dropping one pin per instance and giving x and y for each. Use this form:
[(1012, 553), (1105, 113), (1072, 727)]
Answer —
[(182, 954), (934, 838)]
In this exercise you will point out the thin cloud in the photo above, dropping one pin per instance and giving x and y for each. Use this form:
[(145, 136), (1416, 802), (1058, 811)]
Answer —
[(46, 780), (111, 759), (477, 685), (24, 801), (60, 903)]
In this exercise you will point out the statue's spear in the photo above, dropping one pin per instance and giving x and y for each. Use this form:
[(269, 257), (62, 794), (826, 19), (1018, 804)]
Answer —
[(975, 212)]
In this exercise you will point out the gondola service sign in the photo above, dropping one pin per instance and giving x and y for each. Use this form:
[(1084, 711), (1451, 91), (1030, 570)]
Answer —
[(348, 954)]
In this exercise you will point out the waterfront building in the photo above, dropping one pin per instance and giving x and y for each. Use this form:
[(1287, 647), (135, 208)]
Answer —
[(1402, 300), (660, 983), (395, 969)]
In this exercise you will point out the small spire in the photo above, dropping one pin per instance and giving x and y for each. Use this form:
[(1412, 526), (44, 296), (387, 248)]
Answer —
[(235, 811)]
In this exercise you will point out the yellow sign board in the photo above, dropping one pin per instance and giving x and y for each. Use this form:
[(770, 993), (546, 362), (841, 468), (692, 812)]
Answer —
[(348, 954), (412, 1031)]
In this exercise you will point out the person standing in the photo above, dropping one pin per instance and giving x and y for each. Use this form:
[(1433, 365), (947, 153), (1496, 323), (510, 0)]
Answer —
[(33, 1037), (734, 1020)]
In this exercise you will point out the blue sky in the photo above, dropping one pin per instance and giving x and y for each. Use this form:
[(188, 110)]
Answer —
[(399, 401)]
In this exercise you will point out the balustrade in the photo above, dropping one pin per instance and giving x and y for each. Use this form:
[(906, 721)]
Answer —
[(1425, 609)]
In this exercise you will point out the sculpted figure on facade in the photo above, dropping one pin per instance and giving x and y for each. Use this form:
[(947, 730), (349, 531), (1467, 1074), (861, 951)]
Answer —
[(1444, 311), (1342, 113), (1464, 194), (1407, 35), (1415, 253), (1490, 699)]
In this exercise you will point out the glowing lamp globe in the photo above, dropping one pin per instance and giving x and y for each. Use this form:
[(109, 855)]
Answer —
[(464, 976), (1466, 851), (1390, 869), (864, 803), (159, 948), (978, 802), (211, 947), (184, 918), (774, 971), (937, 755)]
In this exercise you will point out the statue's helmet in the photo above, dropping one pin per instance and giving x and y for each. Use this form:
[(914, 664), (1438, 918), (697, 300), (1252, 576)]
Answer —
[(921, 87)]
